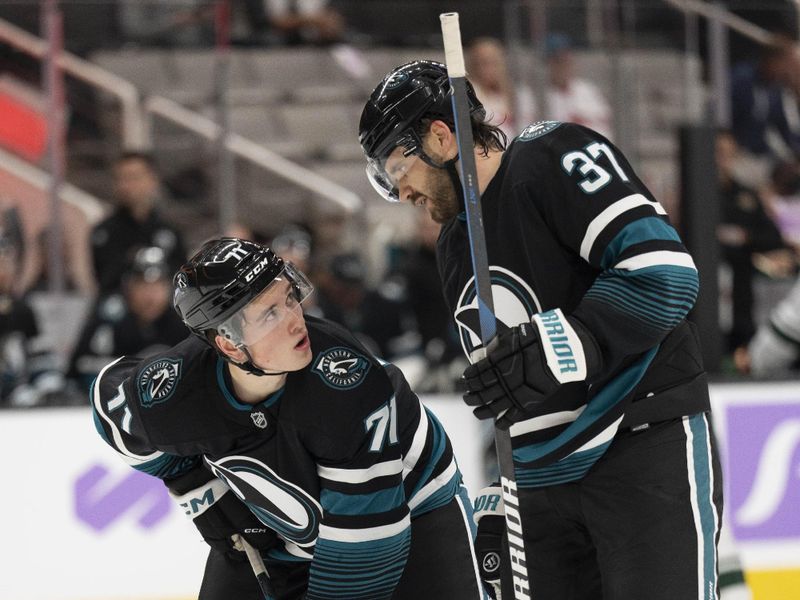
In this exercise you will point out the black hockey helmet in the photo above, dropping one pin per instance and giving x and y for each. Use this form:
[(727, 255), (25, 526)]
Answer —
[(148, 264), (221, 279), (409, 93)]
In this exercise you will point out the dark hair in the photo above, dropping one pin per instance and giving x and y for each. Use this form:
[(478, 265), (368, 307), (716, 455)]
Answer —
[(144, 157), (486, 136)]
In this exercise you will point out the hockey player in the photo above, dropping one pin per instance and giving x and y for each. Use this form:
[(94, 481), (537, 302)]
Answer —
[(284, 429), (594, 369)]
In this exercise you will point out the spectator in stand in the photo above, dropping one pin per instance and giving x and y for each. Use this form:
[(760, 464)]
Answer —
[(784, 201), (508, 105), (135, 223), (28, 372), (378, 318), (571, 98), (747, 236), (775, 349), (295, 22), (139, 321), (418, 275), (763, 117)]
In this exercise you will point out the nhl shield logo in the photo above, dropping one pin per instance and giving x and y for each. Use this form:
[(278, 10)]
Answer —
[(341, 368), (259, 419), (158, 380)]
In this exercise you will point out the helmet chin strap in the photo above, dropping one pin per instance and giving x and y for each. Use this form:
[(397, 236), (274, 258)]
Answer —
[(251, 367)]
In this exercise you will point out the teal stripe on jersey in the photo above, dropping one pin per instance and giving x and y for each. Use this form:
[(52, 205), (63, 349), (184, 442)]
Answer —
[(708, 518), (571, 468), (438, 445), (612, 393), (339, 503), (636, 232), (439, 498), (281, 555), (662, 301), (342, 570)]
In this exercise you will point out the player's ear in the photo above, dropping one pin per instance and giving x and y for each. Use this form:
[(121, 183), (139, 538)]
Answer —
[(442, 139), (230, 349)]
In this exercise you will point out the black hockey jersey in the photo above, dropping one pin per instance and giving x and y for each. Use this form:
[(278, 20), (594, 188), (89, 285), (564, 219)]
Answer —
[(569, 225), (337, 462)]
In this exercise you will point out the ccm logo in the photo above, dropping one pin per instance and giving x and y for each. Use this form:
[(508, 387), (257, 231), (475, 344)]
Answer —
[(257, 269)]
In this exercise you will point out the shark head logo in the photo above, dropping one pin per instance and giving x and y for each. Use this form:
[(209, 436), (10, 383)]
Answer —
[(341, 367), (158, 380), (514, 303)]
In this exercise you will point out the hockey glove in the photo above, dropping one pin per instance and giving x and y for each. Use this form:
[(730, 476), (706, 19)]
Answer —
[(526, 364), (218, 514), (490, 519)]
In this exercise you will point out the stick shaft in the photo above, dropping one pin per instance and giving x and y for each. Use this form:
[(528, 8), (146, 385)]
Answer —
[(257, 564), (454, 57)]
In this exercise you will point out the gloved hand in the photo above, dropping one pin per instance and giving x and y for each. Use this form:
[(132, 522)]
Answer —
[(218, 514), (490, 518), (526, 364)]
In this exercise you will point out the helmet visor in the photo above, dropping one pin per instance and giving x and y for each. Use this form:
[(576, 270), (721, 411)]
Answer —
[(259, 317), (385, 174)]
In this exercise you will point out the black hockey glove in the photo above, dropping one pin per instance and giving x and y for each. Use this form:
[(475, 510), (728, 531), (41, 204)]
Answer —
[(525, 364), (218, 513), (491, 522)]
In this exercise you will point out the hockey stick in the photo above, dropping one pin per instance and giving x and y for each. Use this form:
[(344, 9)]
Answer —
[(256, 563), (454, 59)]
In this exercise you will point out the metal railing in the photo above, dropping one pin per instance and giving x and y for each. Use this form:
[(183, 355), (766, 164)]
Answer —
[(133, 135), (252, 152), (137, 126)]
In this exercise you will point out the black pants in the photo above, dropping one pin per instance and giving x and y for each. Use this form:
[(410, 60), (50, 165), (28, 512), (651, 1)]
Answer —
[(441, 564), (643, 524)]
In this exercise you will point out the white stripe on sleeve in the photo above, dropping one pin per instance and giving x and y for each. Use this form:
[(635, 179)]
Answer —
[(653, 259), (601, 221)]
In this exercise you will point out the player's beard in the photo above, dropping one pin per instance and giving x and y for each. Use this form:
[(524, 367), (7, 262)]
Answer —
[(442, 204)]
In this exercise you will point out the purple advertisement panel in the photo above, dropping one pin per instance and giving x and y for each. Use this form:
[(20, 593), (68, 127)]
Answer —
[(99, 505), (763, 474)]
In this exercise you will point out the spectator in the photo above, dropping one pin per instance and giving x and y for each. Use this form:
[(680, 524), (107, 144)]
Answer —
[(746, 233), (140, 321), (784, 201), (28, 373), (134, 224), (775, 349), (570, 98), (377, 318), (418, 274), (759, 103), (295, 22), (509, 106)]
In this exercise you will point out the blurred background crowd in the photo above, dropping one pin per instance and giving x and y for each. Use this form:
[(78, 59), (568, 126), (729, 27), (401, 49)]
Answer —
[(133, 130)]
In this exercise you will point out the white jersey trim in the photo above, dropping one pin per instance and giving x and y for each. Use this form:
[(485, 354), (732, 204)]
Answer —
[(364, 535), (653, 259), (601, 221), (546, 421), (418, 443), (391, 467), (130, 456), (433, 485)]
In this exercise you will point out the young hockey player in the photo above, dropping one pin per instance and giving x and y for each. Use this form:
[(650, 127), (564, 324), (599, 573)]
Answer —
[(594, 369), (285, 430)]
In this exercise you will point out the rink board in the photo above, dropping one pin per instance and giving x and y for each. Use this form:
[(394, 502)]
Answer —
[(79, 524)]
